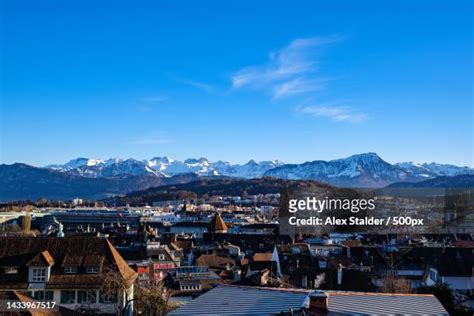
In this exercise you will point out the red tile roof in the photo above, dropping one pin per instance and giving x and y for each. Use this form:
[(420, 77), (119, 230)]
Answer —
[(41, 259), (214, 261), (259, 256)]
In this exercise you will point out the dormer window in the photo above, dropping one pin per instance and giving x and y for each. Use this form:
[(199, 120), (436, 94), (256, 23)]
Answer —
[(92, 270), (39, 267), (70, 270), (39, 274)]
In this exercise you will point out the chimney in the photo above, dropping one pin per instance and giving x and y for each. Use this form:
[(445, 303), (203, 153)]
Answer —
[(339, 274), (319, 302)]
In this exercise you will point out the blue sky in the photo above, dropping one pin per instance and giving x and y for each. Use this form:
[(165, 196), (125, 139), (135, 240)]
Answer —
[(236, 80)]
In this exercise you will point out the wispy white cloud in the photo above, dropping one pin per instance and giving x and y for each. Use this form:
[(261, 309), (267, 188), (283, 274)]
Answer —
[(290, 70), (196, 84), (335, 113), (297, 86)]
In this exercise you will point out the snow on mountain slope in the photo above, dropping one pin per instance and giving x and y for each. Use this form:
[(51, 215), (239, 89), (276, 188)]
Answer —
[(76, 163), (363, 170), (430, 170), (163, 167)]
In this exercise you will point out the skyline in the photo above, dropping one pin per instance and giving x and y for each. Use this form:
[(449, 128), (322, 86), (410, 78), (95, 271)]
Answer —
[(104, 160), (236, 81)]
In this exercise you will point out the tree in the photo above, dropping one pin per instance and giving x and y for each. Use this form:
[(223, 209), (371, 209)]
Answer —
[(393, 284), (151, 298), (112, 286)]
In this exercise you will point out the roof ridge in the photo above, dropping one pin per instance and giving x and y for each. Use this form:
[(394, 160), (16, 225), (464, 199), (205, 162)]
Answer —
[(127, 273)]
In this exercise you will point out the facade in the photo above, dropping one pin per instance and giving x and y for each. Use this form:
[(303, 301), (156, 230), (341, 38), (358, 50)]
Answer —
[(68, 270)]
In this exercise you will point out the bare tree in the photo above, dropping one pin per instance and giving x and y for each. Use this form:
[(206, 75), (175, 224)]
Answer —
[(151, 298), (393, 284), (112, 286)]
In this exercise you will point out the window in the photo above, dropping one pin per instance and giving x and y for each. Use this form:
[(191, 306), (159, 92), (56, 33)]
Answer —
[(433, 275), (161, 257), (11, 270), (43, 295), (92, 270), (70, 270), (68, 297), (39, 275), (87, 297)]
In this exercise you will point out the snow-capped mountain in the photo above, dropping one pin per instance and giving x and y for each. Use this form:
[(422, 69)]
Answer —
[(163, 167), (430, 170), (365, 170), (76, 163), (96, 168)]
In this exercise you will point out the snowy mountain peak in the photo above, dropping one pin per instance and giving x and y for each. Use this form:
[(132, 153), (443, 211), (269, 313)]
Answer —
[(361, 170), (164, 167), (76, 163), (363, 158), (433, 169)]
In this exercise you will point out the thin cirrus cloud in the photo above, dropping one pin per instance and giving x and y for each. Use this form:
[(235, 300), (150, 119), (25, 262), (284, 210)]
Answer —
[(196, 84), (289, 71), (294, 70), (335, 113), (297, 86)]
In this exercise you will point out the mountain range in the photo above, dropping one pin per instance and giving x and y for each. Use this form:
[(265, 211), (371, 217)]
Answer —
[(362, 170), (365, 170), (23, 182), (95, 178), (163, 167)]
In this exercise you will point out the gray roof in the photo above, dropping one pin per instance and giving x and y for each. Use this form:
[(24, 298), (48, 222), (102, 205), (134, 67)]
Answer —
[(241, 300), (233, 300), (359, 303)]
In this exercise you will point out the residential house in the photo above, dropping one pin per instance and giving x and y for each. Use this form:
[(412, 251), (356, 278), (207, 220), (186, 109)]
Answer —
[(69, 270)]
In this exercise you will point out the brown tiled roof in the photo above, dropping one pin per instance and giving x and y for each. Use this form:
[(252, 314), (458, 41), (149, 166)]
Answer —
[(41, 259), (186, 245), (72, 260), (93, 261), (463, 243), (217, 224), (262, 256), (62, 251), (214, 261), (68, 281), (244, 262), (127, 273)]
